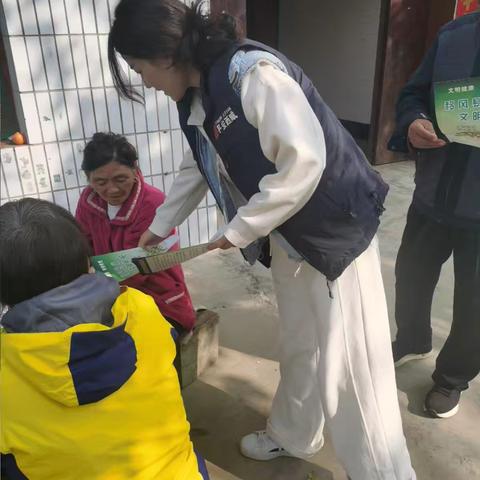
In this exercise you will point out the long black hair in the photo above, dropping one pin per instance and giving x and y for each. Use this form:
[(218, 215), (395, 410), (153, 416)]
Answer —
[(167, 29)]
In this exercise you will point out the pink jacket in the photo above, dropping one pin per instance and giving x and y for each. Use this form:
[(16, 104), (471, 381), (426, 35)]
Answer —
[(167, 288)]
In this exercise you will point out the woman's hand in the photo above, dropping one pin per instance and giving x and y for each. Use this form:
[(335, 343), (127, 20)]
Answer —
[(222, 243), (421, 134), (148, 239)]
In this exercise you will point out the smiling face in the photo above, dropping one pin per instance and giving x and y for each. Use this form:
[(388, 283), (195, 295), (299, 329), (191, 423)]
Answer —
[(161, 75), (113, 182)]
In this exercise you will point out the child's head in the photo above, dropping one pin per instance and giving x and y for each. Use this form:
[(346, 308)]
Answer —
[(41, 248)]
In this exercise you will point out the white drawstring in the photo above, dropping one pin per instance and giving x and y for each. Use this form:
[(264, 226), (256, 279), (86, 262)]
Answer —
[(297, 271)]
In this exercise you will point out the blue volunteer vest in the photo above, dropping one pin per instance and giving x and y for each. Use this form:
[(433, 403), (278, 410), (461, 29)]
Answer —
[(447, 179), (339, 221)]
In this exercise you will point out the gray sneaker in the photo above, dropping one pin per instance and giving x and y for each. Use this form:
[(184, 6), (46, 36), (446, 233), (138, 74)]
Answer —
[(442, 402)]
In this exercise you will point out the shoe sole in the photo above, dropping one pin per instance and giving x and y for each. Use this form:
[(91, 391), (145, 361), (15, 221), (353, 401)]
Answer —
[(412, 356), (271, 457), (448, 414)]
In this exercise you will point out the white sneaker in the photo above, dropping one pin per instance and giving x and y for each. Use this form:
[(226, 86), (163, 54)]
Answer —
[(260, 446)]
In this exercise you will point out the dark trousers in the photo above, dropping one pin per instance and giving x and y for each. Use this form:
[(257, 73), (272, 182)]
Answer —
[(426, 245)]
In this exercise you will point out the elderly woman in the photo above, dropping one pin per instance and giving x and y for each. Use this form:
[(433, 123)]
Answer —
[(116, 208)]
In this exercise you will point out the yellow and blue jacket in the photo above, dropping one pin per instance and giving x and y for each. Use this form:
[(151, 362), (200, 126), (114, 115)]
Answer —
[(88, 388)]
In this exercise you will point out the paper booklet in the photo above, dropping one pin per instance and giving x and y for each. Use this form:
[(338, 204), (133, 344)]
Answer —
[(120, 265), (457, 109)]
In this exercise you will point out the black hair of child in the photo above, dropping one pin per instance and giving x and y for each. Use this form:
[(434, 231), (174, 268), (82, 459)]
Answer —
[(41, 248), (104, 148), (167, 29)]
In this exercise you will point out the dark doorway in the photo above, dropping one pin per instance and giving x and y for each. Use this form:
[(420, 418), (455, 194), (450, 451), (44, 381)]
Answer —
[(407, 28), (262, 21), (8, 115)]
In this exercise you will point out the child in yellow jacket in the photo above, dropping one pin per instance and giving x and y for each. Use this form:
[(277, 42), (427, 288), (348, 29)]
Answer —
[(87, 383)]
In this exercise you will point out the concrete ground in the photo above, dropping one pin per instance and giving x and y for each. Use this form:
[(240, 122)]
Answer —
[(233, 397)]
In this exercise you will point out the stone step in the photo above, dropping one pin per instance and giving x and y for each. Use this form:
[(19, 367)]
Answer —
[(217, 473), (198, 351)]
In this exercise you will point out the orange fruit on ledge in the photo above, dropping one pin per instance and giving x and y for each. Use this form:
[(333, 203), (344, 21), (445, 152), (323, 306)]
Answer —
[(17, 138)]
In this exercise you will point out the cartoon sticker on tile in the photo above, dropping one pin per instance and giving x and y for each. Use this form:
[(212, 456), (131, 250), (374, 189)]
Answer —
[(41, 170)]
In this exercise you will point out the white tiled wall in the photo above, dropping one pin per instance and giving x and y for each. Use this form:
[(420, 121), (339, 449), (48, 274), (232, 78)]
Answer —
[(62, 81)]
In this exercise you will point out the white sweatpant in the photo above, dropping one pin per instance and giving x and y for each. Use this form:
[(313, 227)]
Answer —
[(336, 368)]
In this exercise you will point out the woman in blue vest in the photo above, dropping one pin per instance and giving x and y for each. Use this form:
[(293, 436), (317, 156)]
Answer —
[(291, 182)]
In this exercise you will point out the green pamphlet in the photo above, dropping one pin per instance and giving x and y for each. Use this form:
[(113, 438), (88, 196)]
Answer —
[(119, 265), (457, 108)]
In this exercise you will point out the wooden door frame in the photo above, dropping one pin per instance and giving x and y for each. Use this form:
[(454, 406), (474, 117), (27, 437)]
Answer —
[(407, 29), (401, 45)]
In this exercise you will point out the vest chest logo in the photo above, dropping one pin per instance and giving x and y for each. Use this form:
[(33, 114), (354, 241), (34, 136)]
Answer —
[(223, 122)]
